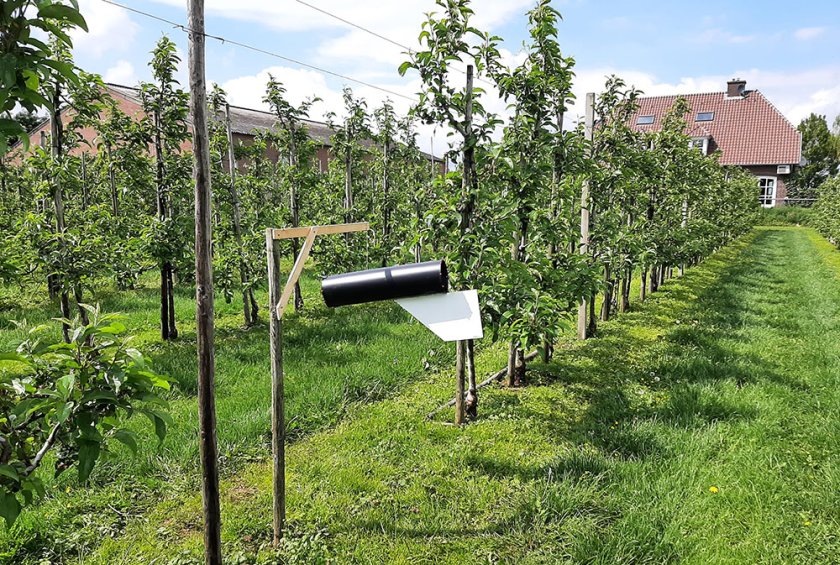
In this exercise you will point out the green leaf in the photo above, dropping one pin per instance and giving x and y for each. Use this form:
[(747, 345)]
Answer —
[(127, 438), (64, 13), (88, 454), (64, 385), (64, 413), (9, 471), (99, 395), (14, 357), (9, 507)]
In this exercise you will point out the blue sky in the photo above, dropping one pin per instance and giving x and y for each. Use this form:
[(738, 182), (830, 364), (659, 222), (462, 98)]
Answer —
[(788, 51)]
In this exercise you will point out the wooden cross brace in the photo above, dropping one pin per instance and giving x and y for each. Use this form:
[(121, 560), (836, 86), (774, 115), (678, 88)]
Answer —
[(309, 232)]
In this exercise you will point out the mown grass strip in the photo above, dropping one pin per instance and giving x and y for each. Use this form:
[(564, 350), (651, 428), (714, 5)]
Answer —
[(703, 426)]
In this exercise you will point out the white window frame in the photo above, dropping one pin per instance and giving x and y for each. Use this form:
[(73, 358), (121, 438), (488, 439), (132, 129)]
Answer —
[(762, 199), (705, 148)]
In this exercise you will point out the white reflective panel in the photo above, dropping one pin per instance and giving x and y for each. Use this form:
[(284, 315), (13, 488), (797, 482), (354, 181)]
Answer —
[(451, 316)]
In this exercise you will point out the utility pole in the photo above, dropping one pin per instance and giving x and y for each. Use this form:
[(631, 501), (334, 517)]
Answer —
[(204, 314)]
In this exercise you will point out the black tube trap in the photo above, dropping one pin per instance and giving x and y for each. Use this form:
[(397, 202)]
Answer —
[(388, 283)]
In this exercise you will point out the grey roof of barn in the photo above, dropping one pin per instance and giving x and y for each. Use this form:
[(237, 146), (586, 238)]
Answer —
[(245, 120)]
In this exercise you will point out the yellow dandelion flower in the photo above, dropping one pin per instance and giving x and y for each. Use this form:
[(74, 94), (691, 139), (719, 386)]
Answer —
[(807, 522), (713, 489)]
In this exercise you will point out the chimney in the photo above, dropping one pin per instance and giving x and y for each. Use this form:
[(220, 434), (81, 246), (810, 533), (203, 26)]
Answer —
[(735, 88)]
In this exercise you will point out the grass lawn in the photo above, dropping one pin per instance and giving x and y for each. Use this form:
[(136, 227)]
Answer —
[(333, 360), (702, 427)]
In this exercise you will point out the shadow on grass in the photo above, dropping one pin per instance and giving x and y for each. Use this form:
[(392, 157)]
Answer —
[(685, 337)]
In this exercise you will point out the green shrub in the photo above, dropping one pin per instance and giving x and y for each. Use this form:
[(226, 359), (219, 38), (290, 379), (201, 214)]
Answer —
[(786, 216), (827, 210)]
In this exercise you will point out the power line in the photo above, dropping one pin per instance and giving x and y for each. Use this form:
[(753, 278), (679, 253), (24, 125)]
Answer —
[(260, 50), (379, 35), (357, 26)]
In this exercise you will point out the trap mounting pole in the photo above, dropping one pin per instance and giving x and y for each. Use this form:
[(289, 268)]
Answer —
[(277, 304)]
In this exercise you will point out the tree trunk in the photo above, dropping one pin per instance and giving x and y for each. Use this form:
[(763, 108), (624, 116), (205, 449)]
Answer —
[(386, 206), (56, 131), (84, 179), (167, 306), (643, 288), (626, 281), (511, 364), (608, 294), (468, 204), (170, 287), (294, 205), (204, 290), (593, 317), (471, 403), (519, 369), (112, 182), (237, 223), (348, 183)]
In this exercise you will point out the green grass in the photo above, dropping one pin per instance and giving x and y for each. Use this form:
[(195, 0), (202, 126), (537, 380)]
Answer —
[(333, 359), (786, 216), (727, 378)]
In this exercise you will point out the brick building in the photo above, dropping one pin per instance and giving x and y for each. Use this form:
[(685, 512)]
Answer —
[(744, 126), (245, 122)]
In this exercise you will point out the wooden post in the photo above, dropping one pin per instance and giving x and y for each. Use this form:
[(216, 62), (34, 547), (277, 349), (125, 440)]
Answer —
[(278, 424), (589, 123), (204, 314), (278, 300)]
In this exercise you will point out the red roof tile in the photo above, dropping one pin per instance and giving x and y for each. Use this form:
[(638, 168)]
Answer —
[(748, 130)]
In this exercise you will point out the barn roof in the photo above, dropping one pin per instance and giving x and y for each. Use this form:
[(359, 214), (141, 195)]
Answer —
[(244, 120)]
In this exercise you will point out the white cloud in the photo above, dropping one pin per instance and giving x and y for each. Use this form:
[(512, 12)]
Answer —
[(398, 21), (718, 35), (806, 33), (389, 18), (121, 73), (109, 29)]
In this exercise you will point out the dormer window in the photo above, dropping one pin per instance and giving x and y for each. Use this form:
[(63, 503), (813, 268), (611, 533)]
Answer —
[(644, 120), (705, 116), (701, 144)]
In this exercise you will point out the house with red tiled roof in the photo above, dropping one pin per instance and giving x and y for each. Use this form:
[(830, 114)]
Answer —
[(743, 126)]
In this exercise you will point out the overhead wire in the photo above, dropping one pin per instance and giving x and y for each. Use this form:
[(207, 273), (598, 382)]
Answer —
[(376, 34), (222, 39)]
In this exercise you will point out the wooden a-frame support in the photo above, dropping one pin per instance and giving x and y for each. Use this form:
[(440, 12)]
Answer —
[(277, 305)]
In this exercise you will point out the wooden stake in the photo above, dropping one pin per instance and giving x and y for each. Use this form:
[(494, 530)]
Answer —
[(277, 304), (278, 424), (296, 271), (589, 123), (204, 290)]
